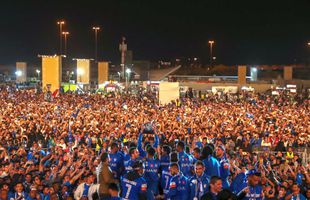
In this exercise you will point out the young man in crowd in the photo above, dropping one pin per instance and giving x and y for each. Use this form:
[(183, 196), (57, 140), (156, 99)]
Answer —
[(178, 186), (224, 166), (215, 189), (151, 173), (87, 189), (116, 160), (114, 192), (19, 193), (185, 161), (199, 183)]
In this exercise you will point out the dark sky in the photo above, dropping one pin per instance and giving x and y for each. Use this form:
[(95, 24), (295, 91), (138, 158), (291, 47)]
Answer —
[(245, 32)]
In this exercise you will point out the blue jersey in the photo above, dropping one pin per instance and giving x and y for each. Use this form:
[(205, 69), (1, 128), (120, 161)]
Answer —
[(164, 163), (185, 163), (165, 180), (128, 165), (239, 183), (116, 164), (299, 178), (298, 197), (255, 193), (198, 186), (224, 171), (140, 146), (152, 177), (132, 189), (13, 196), (126, 157), (178, 188), (115, 198), (212, 166), (151, 170)]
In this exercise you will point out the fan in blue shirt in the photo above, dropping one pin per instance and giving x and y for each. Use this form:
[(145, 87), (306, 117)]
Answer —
[(224, 166), (254, 190), (295, 195)]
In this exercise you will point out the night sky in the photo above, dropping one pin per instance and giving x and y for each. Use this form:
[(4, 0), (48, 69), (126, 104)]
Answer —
[(245, 32)]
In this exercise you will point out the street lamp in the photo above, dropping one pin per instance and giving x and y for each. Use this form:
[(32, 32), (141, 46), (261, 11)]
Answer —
[(211, 42), (38, 72), (60, 23), (96, 29), (65, 35), (18, 73), (119, 77), (80, 72), (128, 71)]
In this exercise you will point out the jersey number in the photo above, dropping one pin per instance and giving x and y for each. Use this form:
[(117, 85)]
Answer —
[(128, 190), (167, 181)]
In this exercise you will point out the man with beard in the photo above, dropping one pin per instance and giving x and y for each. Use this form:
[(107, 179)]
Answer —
[(178, 187), (224, 166)]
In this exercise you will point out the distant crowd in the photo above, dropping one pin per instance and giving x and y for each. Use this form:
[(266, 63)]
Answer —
[(246, 146)]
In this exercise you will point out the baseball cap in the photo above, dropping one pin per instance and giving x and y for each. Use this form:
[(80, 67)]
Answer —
[(253, 172)]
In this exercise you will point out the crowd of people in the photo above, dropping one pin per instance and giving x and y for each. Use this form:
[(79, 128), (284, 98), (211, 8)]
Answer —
[(118, 146)]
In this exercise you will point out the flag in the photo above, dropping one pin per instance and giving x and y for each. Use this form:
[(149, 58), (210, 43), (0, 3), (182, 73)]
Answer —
[(54, 94)]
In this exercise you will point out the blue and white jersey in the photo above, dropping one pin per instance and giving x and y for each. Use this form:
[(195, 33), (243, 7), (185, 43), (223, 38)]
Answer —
[(165, 180), (165, 163), (212, 166), (178, 188), (132, 189), (255, 193), (186, 164), (116, 164), (128, 165), (224, 171), (198, 186), (151, 170)]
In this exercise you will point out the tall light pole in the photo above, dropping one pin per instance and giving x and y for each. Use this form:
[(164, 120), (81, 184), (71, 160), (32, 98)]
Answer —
[(211, 42), (60, 23), (308, 60), (65, 34), (96, 29)]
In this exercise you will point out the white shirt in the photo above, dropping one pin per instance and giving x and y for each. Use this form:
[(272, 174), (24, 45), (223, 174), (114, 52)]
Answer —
[(93, 188)]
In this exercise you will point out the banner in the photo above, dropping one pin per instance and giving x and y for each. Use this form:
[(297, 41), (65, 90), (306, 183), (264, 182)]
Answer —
[(51, 72), (103, 72), (168, 91), (83, 71)]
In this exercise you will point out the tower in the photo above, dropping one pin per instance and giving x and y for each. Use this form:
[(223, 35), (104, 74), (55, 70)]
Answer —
[(123, 50)]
